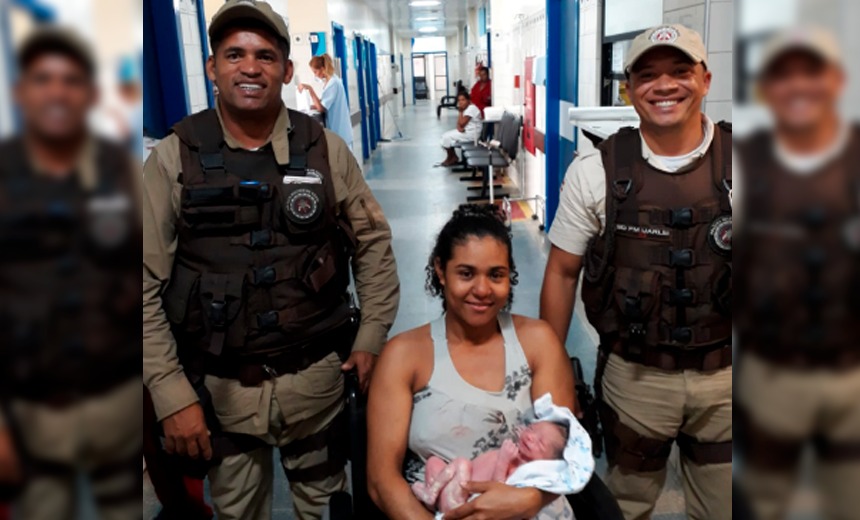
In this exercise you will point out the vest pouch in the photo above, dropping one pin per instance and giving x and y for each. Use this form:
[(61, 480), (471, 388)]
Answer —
[(179, 297), (225, 219), (722, 290), (597, 296), (637, 298), (303, 208), (222, 298), (324, 268)]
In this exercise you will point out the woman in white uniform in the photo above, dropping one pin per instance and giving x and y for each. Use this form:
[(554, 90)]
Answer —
[(332, 101), (468, 128)]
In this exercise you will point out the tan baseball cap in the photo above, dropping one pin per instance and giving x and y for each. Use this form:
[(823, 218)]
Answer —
[(815, 40), (262, 12), (55, 38), (676, 36)]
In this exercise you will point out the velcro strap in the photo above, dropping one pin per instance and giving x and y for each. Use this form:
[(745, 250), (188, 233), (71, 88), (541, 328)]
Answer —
[(673, 358), (316, 441), (334, 438), (321, 471), (260, 238), (628, 449), (271, 274), (704, 452), (682, 218), (682, 258), (685, 297), (837, 451)]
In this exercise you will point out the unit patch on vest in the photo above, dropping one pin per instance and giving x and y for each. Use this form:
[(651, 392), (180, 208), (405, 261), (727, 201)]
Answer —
[(303, 206), (108, 217), (642, 232), (720, 235)]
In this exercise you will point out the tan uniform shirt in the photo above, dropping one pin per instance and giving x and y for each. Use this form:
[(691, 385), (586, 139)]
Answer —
[(582, 207), (374, 270)]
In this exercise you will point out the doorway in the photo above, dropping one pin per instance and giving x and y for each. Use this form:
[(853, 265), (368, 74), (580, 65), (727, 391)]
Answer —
[(430, 75)]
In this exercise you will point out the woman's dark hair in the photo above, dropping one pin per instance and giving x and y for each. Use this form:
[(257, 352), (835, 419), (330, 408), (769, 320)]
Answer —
[(465, 95), (469, 221)]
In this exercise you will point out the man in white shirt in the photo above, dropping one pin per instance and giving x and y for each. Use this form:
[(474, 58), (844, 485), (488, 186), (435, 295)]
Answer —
[(799, 246), (647, 218), (468, 129)]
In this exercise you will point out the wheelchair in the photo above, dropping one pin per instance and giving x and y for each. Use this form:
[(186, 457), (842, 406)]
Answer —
[(594, 502)]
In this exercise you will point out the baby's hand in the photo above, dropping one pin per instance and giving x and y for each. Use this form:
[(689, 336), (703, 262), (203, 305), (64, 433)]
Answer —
[(509, 450)]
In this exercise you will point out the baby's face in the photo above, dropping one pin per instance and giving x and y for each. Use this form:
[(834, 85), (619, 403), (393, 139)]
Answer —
[(541, 441)]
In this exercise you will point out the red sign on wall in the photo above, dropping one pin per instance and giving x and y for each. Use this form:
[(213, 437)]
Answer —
[(529, 115)]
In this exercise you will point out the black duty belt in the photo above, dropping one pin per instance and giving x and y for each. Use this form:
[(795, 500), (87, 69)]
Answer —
[(843, 358), (705, 359), (253, 370)]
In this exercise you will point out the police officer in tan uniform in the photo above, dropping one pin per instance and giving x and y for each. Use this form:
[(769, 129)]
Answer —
[(799, 273), (70, 388), (647, 220), (253, 216)]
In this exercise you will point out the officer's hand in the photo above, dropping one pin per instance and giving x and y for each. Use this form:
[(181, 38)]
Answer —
[(497, 501), (185, 433), (363, 362), (10, 465)]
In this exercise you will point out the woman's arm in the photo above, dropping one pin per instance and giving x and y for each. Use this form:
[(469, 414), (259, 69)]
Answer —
[(389, 413), (462, 121), (549, 363), (315, 100)]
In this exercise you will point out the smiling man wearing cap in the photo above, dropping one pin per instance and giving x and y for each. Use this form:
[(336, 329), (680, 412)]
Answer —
[(253, 217), (648, 220), (800, 236)]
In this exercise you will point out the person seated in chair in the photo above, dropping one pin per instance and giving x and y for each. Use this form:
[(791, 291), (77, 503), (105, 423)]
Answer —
[(468, 128), (458, 386)]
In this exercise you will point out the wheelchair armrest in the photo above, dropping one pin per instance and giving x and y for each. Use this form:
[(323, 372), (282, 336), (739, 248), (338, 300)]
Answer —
[(595, 502)]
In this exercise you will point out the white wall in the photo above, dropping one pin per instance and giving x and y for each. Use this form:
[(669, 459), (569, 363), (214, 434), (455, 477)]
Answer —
[(714, 20), (519, 32), (590, 24)]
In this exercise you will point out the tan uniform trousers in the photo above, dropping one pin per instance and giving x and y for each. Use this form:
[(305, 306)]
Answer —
[(299, 406), (658, 404), (100, 437), (797, 405)]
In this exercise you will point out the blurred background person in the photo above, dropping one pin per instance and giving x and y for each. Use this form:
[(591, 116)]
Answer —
[(482, 91), (332, 102), (798, 279), (121, 117), (70, 373)]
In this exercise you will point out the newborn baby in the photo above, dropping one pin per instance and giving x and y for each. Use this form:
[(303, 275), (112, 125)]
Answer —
[(441, 490)]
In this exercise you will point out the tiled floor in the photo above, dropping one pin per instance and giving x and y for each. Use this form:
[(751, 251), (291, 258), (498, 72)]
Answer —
[(417, 199)]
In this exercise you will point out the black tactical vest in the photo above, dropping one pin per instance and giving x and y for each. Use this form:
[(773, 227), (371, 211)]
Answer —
[(70, 279), (660, 275), (262, 262), (799, 254)]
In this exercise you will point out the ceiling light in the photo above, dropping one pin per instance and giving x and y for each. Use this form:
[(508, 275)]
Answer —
[(426, 19), (428, 29), (424, 3)]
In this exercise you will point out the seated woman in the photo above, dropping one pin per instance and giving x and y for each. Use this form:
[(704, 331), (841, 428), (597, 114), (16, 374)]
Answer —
[(468, 128), (458, 386)]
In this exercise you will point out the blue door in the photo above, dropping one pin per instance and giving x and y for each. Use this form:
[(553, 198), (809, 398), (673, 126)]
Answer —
[(362, 96), (402, 80), (374, 98), (339, 40), (368, 89)]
